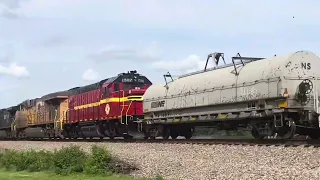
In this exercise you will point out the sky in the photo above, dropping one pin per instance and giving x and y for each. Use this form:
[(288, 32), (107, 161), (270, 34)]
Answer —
[(52, 45)]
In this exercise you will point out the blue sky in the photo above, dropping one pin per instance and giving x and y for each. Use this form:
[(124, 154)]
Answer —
[(53, 45)]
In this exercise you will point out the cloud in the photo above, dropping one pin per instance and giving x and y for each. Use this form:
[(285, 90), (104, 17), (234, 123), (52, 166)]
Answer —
[(54, 41), (14, 70), (90, 75), (12, 4), (189, 64), (10, 7), (9, 14), (133, 53)]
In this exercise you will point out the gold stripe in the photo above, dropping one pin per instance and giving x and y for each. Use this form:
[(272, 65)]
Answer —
[(109, 100)]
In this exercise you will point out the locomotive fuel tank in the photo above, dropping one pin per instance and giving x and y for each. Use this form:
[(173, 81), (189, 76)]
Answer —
[(288, 81)]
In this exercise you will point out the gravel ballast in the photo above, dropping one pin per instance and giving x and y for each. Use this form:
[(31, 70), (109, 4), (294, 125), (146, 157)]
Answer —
[(203, 162)]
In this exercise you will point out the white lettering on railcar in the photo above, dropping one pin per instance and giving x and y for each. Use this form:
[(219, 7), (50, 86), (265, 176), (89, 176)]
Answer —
[(249, 93)]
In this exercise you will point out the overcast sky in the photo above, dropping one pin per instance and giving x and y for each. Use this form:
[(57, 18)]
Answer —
[(53, 45)]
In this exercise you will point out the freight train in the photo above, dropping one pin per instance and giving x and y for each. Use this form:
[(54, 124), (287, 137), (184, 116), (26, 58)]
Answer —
[(268, 96)]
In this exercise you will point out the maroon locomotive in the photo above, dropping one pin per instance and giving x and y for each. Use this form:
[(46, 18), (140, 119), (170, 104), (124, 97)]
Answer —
[(108, 108)]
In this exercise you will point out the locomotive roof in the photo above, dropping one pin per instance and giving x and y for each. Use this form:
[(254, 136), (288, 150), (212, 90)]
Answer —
[(55, 95), (13, 108), (97, 85)]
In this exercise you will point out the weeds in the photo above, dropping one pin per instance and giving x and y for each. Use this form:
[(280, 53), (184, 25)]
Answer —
[(67, 160)]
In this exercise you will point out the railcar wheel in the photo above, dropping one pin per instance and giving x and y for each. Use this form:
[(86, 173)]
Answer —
[(188, 133), (174, 135), (256, 134), (288, 130), (127, 136), (313, 136), (166, 133)]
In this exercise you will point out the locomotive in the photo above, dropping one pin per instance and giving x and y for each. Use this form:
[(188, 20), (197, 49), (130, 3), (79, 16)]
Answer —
[(269, 96), (108, 108)]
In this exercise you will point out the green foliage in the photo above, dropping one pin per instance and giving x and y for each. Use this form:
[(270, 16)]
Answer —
[(99, 162), (28, 160), (158, 178), (67, 160)]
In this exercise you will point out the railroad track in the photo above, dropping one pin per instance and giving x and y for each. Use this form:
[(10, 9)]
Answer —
[(239, 142)]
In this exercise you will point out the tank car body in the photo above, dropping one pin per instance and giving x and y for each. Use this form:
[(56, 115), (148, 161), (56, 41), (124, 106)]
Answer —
[(270, 95)]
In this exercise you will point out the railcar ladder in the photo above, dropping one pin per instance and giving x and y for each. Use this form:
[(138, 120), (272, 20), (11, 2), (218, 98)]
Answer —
[(316, 98)]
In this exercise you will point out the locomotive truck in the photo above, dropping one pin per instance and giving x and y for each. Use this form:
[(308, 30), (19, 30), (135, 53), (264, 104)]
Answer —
[(277, 95)]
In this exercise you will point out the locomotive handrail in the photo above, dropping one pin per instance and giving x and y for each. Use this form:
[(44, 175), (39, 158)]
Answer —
[(127, 112), (122, 105)]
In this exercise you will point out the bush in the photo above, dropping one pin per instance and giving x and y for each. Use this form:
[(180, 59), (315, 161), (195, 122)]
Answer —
[(28, 160), (64, 161), (99, 162), (69, 160)]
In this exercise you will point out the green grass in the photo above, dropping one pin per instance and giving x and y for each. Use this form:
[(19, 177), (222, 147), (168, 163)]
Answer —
[(24, 175), (67, 163)]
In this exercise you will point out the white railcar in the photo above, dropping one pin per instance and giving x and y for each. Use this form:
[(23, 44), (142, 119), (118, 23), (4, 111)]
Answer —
[(271, 95)]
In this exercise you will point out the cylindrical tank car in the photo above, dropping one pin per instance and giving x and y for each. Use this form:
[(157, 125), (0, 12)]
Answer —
[(270, 95)]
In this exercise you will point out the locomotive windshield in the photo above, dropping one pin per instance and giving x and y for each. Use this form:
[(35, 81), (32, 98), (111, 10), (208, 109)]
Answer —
[(127, 86), (135, 82)]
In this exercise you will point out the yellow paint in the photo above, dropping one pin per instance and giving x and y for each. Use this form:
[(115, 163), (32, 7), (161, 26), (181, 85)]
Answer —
[(109, 100), (222, 116), (193, 119), (284, 104), (176, 120)]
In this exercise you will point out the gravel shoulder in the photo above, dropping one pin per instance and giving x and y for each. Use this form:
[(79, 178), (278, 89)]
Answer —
[(203, 162)]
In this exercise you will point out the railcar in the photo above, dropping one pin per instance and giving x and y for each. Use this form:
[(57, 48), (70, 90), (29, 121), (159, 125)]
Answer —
[(269, 96), (109, 108)]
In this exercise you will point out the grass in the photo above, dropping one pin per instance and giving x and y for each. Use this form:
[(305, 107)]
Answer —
[(24, 175), (67, 163), (64, 161)]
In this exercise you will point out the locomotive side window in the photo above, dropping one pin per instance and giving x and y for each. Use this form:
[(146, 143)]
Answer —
[(116, 87), (106, 92)]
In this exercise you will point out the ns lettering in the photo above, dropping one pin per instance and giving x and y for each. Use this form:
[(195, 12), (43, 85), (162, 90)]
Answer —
[(157, 104)]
